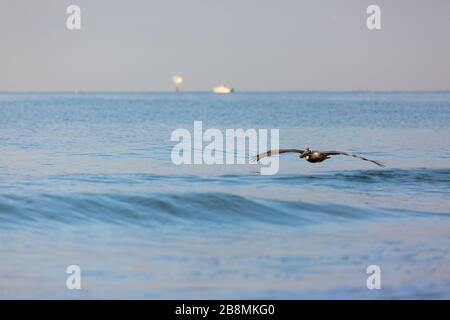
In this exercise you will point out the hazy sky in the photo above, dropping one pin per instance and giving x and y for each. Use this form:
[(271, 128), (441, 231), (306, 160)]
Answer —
[(248, 44)]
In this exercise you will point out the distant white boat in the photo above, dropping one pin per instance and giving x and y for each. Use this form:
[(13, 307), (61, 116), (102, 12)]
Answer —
[(223, 89)]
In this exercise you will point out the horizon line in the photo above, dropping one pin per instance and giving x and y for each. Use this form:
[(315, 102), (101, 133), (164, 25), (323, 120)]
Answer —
[(244, 91)]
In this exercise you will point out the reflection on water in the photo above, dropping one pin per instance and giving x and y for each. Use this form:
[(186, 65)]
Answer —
[(86, 179)]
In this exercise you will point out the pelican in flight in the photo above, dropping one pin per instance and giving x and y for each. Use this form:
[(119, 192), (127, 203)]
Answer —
[(312, 156)]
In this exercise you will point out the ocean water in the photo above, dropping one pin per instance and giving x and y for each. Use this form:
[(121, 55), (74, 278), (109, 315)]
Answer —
[(87, 179)]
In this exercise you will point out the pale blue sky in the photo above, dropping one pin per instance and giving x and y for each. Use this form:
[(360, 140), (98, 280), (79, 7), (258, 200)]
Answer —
[(248, 44)]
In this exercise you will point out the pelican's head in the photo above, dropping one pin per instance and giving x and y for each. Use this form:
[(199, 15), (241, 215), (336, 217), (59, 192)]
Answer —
[(306, 153)]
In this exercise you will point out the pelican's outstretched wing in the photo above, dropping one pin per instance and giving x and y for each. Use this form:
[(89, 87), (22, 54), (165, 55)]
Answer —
[(273, 152), (333, 153)]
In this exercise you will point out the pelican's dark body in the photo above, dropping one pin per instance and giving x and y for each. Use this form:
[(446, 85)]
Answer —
[(315, 157)]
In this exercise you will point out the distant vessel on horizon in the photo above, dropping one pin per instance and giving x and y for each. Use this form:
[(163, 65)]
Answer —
[(223, 89), (177, 80)]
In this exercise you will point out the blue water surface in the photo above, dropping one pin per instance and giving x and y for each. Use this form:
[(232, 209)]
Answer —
[(87, 179)]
